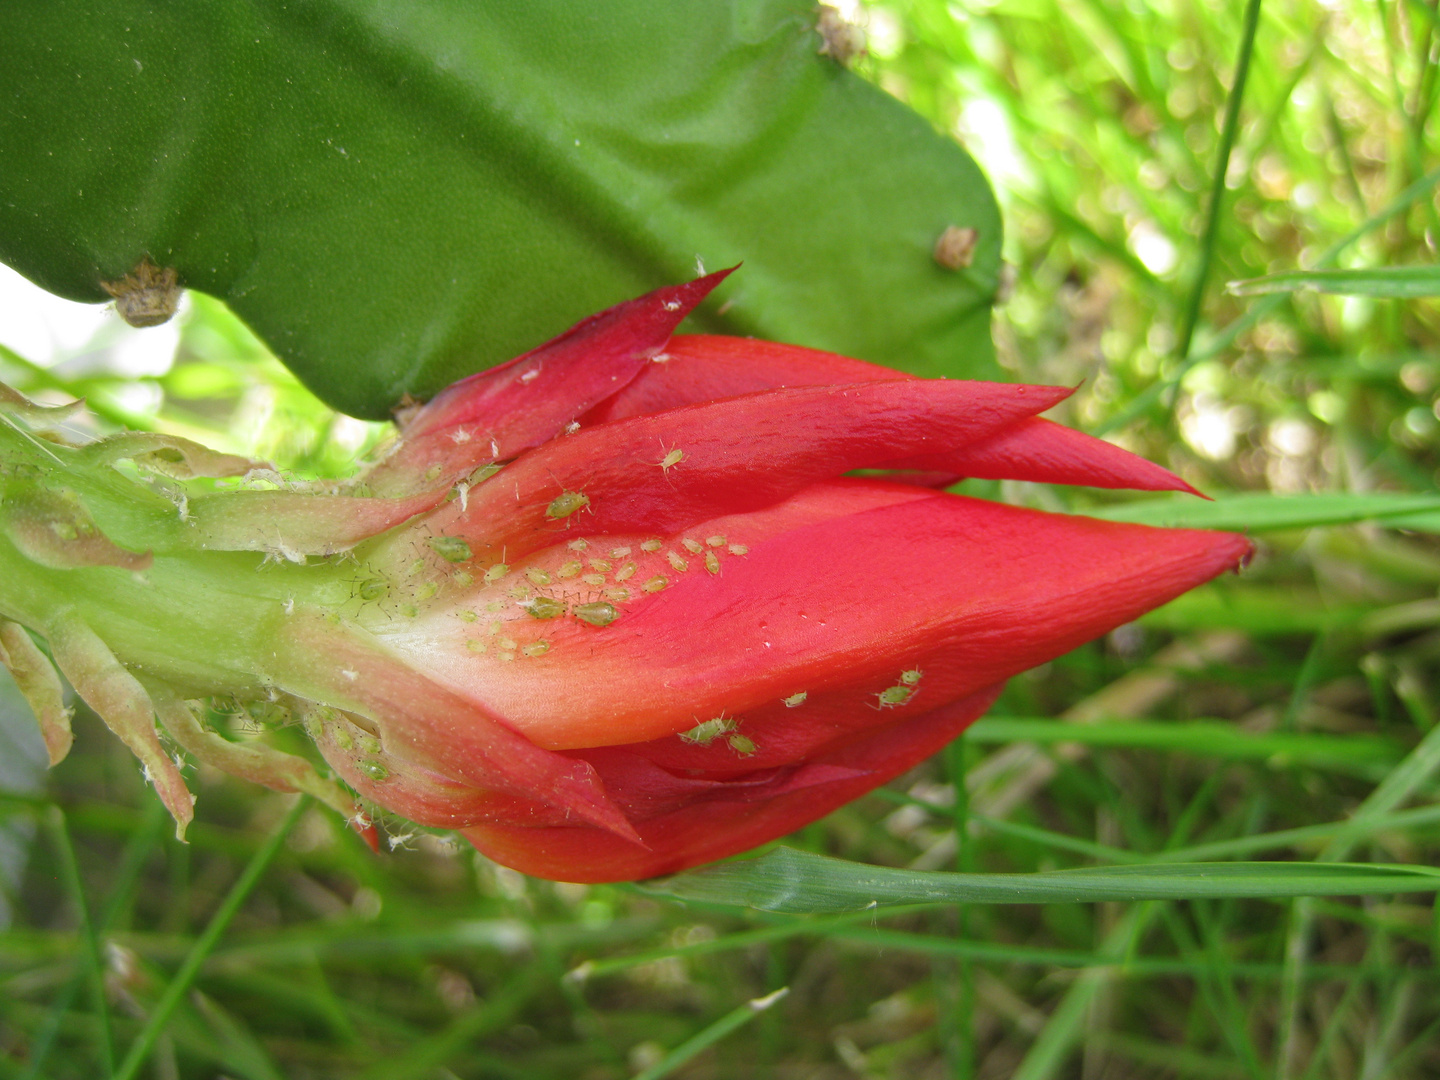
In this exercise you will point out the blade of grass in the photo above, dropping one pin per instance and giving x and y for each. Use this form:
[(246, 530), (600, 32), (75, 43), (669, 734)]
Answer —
[(143, 837), (92, 963), (1267, 513), (963, 1051), (708, 1037), (1053, 1046), (1209, 235), (499, 1009), (1208, 738), (1390, 282), (789, 880), (205, 944), (1402, 784)]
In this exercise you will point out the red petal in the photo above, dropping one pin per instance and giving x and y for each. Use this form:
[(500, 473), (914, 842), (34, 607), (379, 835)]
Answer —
[(736, 455), (499, 412), (705, 368), (1050, 453), (970, 591), (420, 723), (718, 826)]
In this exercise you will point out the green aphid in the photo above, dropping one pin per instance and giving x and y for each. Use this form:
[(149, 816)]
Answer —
[(795, 700), (911, 677), (374, 770), (480, 475), (895, 696), (597, 613), (742, 746), (566, 503), (374, 588), (544, 607), (450, 548), (707, 731)]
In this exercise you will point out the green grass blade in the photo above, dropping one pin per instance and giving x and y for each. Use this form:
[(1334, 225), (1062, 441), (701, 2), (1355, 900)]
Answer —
[(1268, 513), (1211, 738), (1393, 282), (94, 965), (800, 882), (1228, 129), (707, 1038), (205, 944)]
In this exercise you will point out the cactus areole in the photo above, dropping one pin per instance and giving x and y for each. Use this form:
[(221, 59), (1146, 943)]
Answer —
[(610, 610)]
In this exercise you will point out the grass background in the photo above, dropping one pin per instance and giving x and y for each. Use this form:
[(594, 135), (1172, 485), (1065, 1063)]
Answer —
[(1288, 714)]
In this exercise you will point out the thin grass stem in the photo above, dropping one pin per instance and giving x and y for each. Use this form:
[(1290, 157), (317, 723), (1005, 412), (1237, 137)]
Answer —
[(205, 944)]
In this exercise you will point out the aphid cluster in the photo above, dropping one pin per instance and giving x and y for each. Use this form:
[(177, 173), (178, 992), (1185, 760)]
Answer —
[(892, 697), (707, 731)]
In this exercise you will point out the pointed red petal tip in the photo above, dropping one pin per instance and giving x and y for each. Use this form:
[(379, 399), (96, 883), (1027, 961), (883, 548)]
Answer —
[(705, 368), (602, 345), (497, 413)]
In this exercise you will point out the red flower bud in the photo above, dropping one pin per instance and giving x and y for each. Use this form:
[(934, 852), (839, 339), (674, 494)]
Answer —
[(620, 607), (698, 631)]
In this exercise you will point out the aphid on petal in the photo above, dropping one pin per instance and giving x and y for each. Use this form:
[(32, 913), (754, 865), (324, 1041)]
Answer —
[(566, 503), (543, 607), (741, 745), (596, 613), (895, 696), (707, 731), (450, 548)]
